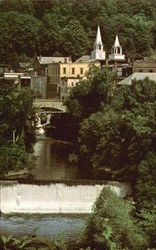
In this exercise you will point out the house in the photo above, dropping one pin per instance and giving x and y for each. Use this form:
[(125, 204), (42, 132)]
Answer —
[(19, 78), (63, 76), (41, 64), (145, 65), (137, 76)]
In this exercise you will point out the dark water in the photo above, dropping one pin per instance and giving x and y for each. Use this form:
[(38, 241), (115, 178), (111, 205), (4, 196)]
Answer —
[(51, 226), (52, 160), (51, 164)]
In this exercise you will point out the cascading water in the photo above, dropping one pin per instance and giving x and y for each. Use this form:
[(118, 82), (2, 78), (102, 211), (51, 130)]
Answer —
[(54, 197), (39, 125)]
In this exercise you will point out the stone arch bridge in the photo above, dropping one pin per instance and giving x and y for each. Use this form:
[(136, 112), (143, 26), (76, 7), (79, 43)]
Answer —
[(50, 103)]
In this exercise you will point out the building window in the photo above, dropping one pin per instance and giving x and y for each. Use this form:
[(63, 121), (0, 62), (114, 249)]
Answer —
[(73, 71), (118, 50), (99, 46), (141, 70), (81, 71), (151, 70), (64, 70)]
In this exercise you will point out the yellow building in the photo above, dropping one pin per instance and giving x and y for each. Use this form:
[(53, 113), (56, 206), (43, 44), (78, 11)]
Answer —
[(63, 76)]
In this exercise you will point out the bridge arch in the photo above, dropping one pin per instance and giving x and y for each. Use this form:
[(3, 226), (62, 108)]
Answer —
[(51, 104)]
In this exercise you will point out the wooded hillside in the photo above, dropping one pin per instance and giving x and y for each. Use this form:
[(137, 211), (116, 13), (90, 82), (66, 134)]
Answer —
[(68, 28)]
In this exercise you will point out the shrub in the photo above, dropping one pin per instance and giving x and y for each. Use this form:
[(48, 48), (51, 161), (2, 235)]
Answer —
[(111, 226)]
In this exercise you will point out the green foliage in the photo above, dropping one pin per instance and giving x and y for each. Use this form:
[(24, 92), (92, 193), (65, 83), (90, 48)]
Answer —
[(89, 96), (16, 111), (16, 131), (28, 242), (146, 183), (19, 34), (115, 139), (10, 242), (13, 157), (111, 226), (69, 27), (145, 196), (75, 39)]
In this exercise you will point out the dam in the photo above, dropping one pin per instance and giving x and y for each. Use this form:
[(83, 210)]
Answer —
[(53, 198)]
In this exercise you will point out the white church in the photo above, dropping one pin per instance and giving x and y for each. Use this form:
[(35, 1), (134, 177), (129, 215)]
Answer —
[(99, 54)]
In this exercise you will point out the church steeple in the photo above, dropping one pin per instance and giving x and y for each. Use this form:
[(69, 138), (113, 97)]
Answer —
[(98, 40), (116, 51), (98, 53)]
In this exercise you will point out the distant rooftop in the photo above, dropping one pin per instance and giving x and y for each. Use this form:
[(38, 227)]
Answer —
[(24, 64), (146, 60), (137, 76), (48, 59), (85, 59)]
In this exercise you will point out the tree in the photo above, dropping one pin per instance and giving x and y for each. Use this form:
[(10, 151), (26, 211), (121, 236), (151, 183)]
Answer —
[(89, 96), (16, 130), (14, 158), (38, 27), (19, 33), (114, 140), (75, 39), (145, 196), (16, 109), (51, 29), (111, 226)]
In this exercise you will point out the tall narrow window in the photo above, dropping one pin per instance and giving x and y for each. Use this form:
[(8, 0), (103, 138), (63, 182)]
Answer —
[(81, 71), (73, 71), (64, 70), (118, 50)]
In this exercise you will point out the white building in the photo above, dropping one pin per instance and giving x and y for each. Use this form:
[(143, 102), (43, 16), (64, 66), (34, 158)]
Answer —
[(116, 51), (98, 53)]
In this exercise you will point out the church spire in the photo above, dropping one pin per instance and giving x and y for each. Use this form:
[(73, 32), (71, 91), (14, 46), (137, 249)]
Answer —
[(98, 36), (98, 53), (116, 43), (116, 51)]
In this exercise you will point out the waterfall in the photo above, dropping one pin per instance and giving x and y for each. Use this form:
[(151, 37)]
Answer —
[(39, 125), (54, 197), (48, 119)]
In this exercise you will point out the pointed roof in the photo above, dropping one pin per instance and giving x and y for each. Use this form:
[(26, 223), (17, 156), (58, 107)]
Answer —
[(116, 43), (98, 36)]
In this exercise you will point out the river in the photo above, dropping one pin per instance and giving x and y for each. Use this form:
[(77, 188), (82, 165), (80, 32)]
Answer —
[(52, 160), (48, 226), (56, 205)]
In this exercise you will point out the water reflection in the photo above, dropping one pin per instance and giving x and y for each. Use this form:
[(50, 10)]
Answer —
[(52, 160)]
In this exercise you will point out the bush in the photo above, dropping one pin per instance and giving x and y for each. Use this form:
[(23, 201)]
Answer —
[(112, 227), (145, 196), (13, 157)]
